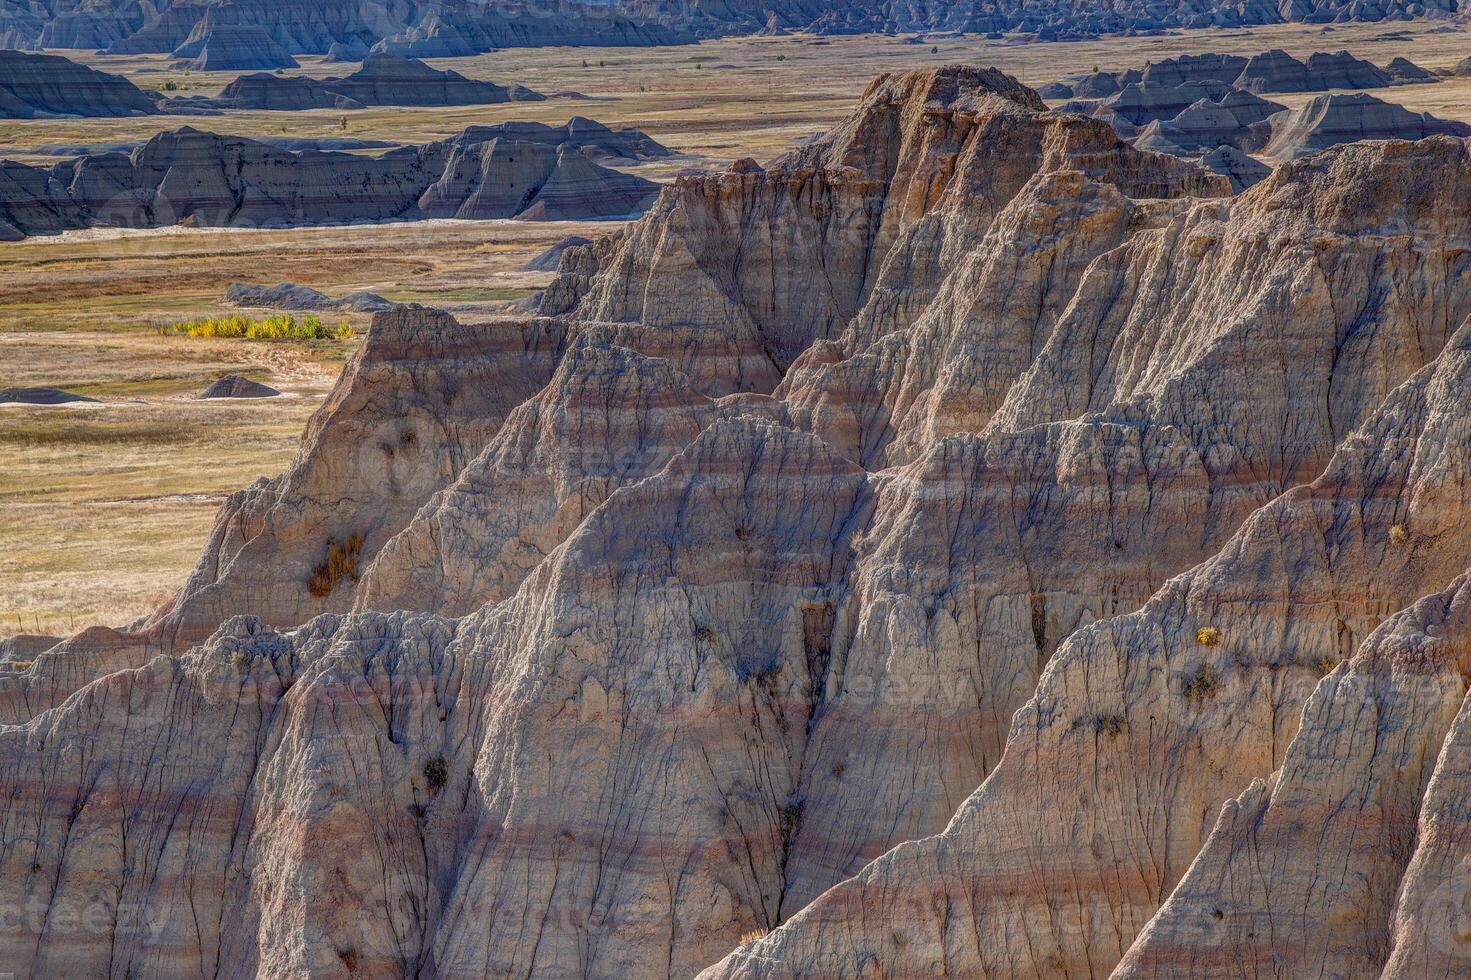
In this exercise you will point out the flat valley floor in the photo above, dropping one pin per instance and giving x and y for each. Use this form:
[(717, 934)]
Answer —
[(104, 507)]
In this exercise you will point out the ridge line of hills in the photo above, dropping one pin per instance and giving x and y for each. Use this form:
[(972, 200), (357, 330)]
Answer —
[(220, 30)]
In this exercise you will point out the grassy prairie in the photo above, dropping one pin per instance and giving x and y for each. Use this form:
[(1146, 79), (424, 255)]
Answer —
[(104, 507)]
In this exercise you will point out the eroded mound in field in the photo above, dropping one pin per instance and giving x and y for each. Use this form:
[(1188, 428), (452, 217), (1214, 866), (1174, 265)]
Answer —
[(383, 80)]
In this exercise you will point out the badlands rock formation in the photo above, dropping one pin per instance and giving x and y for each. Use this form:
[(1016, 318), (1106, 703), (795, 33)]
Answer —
[(1271, 71), (450, 28), (1405, 72), (1278, 71), (1208, 124), (383, 80), (269, 92), (163, 29), (354, 49), (1155, 712), (453, 30), (233, 47), (206, 179), (551, 258), (588, 136), (289, 296), (1332, 119), (36, 86), (234, 386), (349, 28), (967, 545), (1049, 19), (1243, 171), (1145, 102), (1201, 104)]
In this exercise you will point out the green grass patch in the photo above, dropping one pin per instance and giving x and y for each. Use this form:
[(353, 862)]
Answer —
[(281, 326)]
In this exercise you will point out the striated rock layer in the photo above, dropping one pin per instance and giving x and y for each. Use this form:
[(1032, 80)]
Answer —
[(1158, 713), (966, 446), (1332, 119), (232, 47), (189, 176), (38, 86)]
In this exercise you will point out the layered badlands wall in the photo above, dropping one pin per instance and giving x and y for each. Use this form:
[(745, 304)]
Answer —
[(965, 546)]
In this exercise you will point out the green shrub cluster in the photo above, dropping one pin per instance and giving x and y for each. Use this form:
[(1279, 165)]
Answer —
[(281, 326)]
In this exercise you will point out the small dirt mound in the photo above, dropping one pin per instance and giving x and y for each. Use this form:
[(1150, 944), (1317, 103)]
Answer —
[(234, 386), (549, 260), (40, 396)]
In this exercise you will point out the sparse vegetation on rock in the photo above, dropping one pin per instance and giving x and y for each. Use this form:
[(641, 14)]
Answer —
[(340, 565)]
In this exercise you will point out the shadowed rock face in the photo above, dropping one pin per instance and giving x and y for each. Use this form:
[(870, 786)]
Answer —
[(452, 30), (276, 93), (41, 85), (1278, 71), (1145, 102), (907, 547), (1405, 72), (386, 80), (205, 179)]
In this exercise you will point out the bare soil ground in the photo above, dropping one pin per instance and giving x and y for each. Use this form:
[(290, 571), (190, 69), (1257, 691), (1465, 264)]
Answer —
[(104, 507)]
